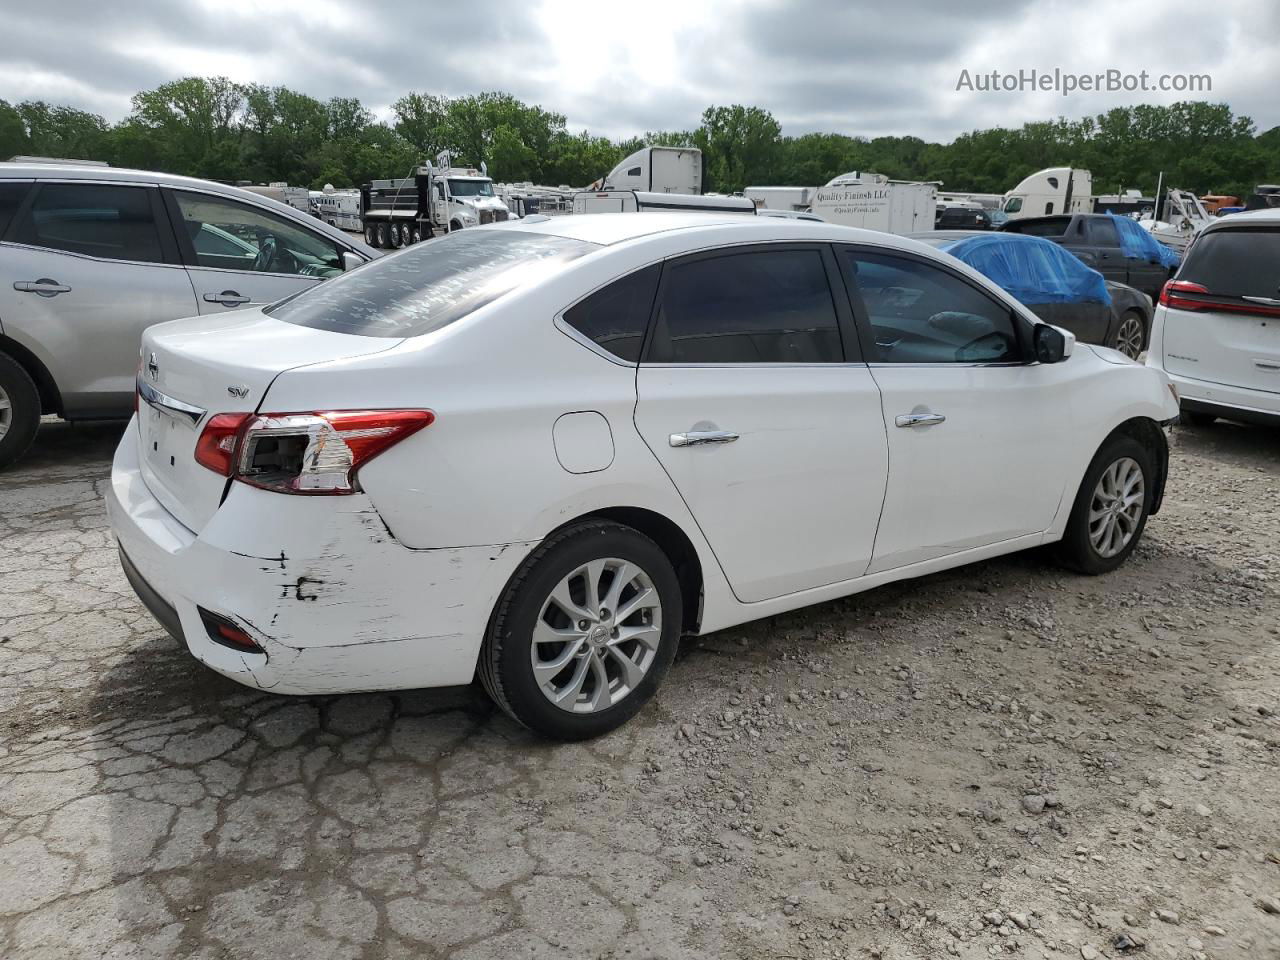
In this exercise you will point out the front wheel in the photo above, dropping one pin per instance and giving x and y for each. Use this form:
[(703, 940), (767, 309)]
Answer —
[(1111, 508), (584, 632), (19, 411), (1131, 335)]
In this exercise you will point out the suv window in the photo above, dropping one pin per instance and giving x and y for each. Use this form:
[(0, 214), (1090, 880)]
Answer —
[(97, 220), (615, 317), (430, 284), (1054, 227), (227, 235), (1104, 232), (12, 193), (1235, 263), (771, 306), (920, 313)]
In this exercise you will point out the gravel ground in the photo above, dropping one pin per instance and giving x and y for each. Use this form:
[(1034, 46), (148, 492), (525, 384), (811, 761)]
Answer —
[(1000, 760)]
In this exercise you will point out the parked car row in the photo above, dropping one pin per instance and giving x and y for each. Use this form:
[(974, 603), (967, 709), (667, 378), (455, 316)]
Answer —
[(92, 256)]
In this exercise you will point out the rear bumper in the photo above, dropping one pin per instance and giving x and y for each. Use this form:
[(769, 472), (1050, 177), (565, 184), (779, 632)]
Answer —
[(335, 602), (1235, 403)]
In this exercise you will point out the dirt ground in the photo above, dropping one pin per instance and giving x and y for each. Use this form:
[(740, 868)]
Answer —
[(1004, 760)]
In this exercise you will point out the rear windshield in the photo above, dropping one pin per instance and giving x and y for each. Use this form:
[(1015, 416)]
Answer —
[(1236, 263), (431, 284), (1054, 227)]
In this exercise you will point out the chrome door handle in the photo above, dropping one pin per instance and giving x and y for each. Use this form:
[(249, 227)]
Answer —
[(44, 286), (919, 419), (697, 437), (228, 298)]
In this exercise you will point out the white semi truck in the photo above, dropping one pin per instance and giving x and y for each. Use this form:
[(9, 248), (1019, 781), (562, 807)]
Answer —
[(657, 170), (1055, 190), (438, 198)]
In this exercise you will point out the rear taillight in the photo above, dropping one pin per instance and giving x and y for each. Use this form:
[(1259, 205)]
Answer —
[(217, 444), (1174, 294), (306, 453)]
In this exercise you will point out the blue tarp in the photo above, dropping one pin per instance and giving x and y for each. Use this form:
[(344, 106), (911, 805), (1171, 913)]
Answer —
[(1032, 269), (1137, 242)]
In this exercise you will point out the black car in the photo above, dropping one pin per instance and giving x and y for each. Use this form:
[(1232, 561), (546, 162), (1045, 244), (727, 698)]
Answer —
[(1056, 287), (962, 218), (1117, 248)]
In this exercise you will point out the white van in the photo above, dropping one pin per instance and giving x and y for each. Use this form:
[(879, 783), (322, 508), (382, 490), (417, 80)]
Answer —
[(1216, 332)]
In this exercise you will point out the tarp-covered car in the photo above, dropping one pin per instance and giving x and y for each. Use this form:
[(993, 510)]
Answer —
[(1055, 284)]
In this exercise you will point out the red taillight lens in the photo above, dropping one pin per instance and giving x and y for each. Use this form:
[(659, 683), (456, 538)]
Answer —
[(317, 453), (217, 444), (1174, 294)]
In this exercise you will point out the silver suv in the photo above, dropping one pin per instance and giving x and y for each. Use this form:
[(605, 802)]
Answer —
[(90, 256)]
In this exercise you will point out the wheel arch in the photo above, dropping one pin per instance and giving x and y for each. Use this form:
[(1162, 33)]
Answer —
[(1148, 433), (50, 396)]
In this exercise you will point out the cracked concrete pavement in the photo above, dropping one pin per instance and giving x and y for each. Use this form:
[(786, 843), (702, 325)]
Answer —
[(1004, 759)]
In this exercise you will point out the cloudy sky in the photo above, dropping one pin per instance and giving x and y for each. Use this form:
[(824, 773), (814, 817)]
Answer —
[(620, 68)]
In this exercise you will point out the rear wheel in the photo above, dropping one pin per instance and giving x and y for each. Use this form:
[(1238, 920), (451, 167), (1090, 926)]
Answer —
[(381, 233), (1111, 508), (395, 236), (371, 235), (584, 632), (19, 411), (1131, 335)]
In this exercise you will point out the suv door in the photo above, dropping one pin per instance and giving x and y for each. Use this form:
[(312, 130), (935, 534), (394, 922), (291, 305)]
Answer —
[(752, 394), (973, 457), (1222, 324), (241, 255), (87, 266)]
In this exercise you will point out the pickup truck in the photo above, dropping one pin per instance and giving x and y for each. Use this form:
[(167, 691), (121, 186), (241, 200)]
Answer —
[(1095, 239)]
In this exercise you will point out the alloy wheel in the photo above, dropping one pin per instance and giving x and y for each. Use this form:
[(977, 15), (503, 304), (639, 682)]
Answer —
[(6, 413), (1116, 508), (596, 636), (1129, 336)]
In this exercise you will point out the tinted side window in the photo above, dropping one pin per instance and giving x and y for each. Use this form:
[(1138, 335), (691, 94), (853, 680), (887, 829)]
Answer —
[(615, 317), (1104, 233), (93, 219), (228, 235), (919, 313), (11, 196), (770, 306)]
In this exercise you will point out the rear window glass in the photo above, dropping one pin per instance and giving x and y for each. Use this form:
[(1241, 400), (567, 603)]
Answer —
[(1056, 227), (615, 317), (431, 284), (11, 195), (1236, 263)]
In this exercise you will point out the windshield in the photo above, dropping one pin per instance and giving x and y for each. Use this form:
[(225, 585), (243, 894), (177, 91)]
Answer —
[(471, 188), (1013, 205), (431, 284)]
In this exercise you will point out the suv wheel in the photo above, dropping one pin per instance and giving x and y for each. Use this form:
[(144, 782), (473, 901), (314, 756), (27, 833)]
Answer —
[(19, 410), (584, 632)]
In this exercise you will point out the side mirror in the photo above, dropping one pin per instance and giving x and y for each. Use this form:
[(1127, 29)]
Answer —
[(1053, 344), (351, 260)]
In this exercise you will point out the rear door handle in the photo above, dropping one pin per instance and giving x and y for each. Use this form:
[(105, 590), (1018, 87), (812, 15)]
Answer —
[(228, 298), (697, 437), (1266, 364), (44, 286), (919, 419)]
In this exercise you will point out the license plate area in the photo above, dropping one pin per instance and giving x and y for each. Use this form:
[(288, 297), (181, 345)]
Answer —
[(166, 439)]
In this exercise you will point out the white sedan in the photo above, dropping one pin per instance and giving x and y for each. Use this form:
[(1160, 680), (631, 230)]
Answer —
[(541, 452)]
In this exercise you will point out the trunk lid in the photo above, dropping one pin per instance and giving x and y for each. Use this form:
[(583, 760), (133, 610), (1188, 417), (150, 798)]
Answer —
[(1230, 332), (193, 369)]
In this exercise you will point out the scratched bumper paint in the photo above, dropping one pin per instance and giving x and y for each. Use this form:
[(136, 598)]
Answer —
[(335, 601)]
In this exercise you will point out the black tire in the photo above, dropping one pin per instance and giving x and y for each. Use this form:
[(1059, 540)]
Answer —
[(381, 230), (454, 226), (22, 413), (1076, 550), (505, 665), (1195, 418), (1126, 345), (371, 235)]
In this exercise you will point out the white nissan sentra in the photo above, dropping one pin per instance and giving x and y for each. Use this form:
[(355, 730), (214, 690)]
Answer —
[(541, 452)]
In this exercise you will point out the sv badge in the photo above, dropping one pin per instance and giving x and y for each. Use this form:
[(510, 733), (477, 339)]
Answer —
[(240, 392)]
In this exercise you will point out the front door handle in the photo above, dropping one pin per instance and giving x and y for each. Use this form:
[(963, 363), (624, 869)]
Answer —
[(228, 298), (919, 419), (44, 286), (697, 437)]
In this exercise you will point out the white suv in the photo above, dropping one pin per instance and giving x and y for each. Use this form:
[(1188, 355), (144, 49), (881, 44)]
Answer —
[(1216, 332), (90, 256)]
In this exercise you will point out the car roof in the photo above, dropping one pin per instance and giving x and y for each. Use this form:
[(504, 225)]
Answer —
[(105, 174), (1246, 218)]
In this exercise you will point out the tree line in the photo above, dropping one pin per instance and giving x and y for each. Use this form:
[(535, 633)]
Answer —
[(211, 127)]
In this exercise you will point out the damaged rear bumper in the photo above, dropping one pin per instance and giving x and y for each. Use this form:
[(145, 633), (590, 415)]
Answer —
[(334, 601)]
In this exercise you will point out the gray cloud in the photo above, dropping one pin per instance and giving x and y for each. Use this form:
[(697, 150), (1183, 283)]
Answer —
[(816, 64)]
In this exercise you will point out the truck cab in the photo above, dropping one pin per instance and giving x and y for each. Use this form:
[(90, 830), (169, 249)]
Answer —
[(1056, 190)]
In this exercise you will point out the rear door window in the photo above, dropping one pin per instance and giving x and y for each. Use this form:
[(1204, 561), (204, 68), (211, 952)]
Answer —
[(762, 306), (431, 284), (1236, 263), (12, 193), (1103, 232), (614, 318), (93, 219)]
